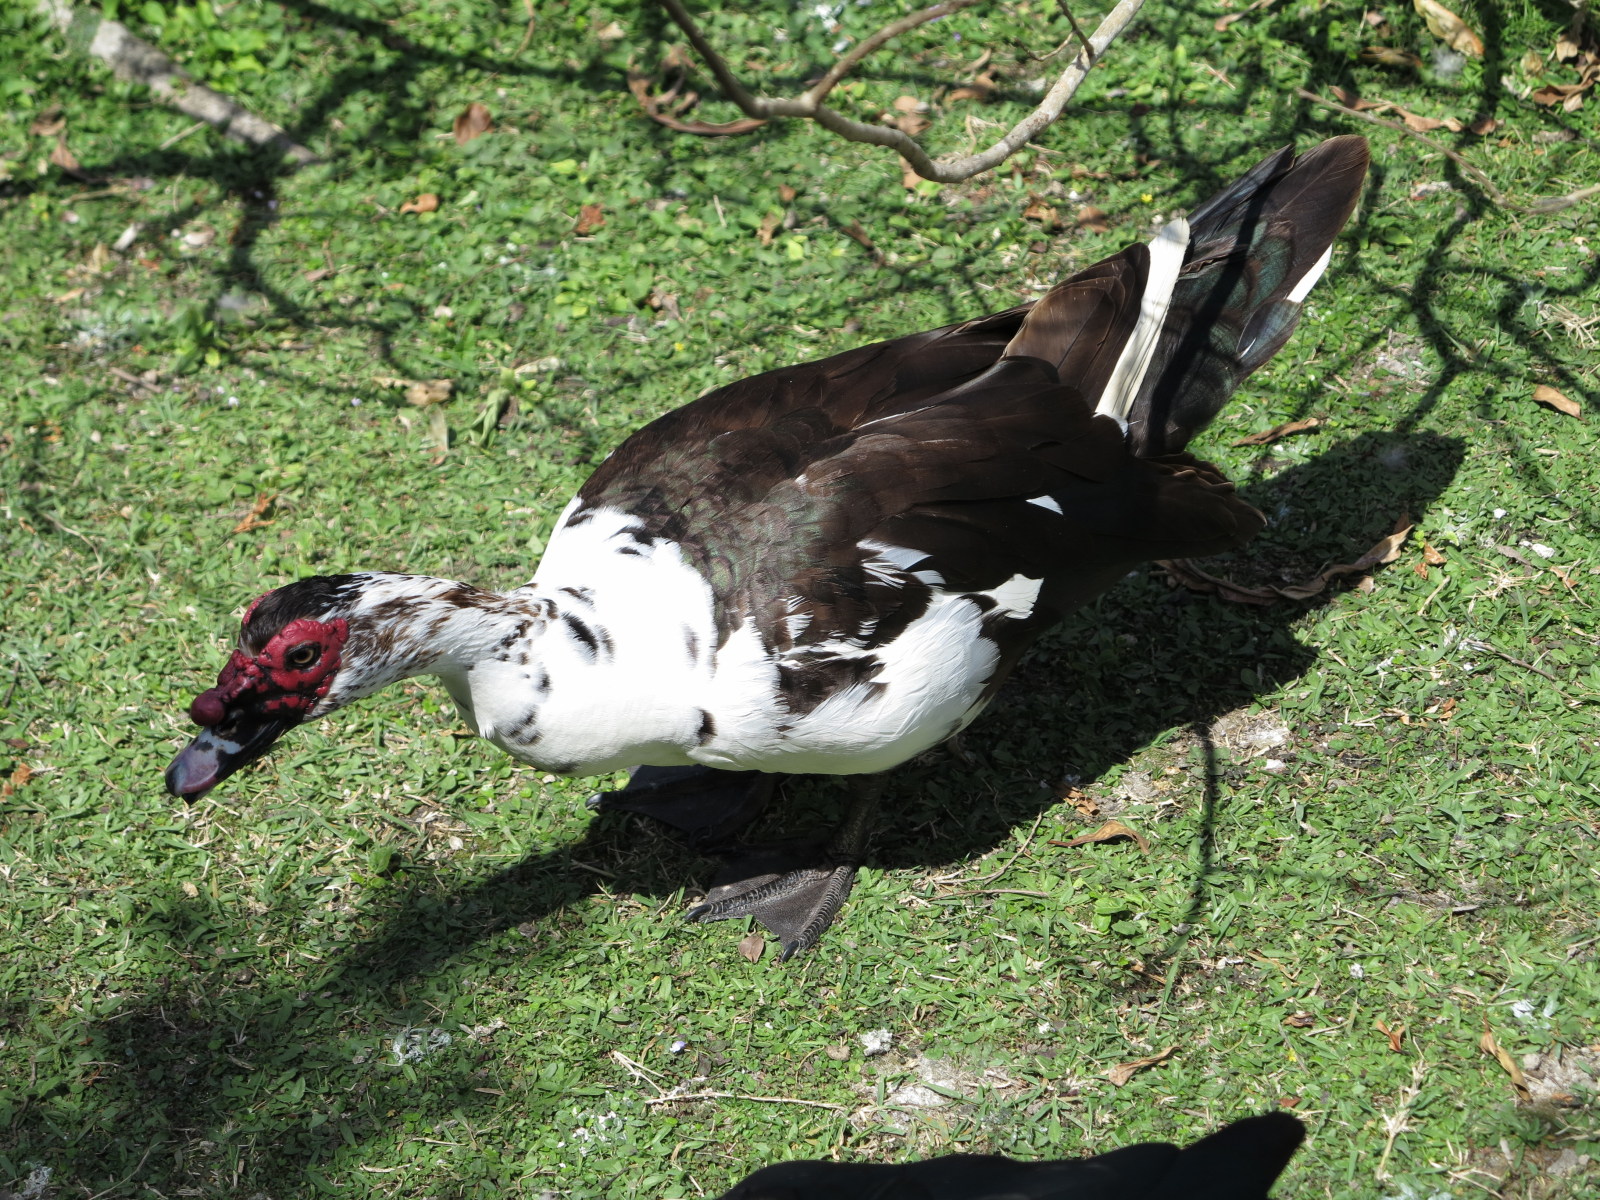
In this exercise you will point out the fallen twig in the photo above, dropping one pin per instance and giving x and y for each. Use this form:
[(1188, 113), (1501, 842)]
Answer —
[(134, 59), (1185, 573), (671, 1099)]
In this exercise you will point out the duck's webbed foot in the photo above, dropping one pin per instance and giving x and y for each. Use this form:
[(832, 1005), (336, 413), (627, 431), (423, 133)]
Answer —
[(795, 892), (706, 805)]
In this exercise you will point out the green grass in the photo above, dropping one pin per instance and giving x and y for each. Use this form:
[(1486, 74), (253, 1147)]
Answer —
[(1378, 807)]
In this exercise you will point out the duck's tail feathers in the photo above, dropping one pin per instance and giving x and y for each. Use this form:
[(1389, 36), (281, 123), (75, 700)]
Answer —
[(1159, 336), (1254, 252)]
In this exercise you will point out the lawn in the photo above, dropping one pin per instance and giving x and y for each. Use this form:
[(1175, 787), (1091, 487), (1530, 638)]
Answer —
[(388, 961)]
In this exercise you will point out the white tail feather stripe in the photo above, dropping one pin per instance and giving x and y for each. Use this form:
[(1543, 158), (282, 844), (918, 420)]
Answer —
[(1167, 250), (1300, 289)]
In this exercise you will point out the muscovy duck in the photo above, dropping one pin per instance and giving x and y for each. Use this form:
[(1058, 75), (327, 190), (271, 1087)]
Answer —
[(832, 567), (1241, 1161)]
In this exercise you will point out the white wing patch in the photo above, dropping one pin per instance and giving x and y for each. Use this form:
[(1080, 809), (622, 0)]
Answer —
[(1303, 287), (1167, 249), (1016, 596)]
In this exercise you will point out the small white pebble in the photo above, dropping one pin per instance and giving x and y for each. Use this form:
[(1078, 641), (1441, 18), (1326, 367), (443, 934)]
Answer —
[(1499, 514), (1542, 550), (1275, 764), (876, 1041), (679, 1046), (1356, 972), (355, 401), (233, 402)]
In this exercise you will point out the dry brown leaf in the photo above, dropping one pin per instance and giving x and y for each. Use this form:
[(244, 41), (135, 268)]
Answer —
[(1423, 124), (48, 123), (1551, 94), (1395, 1035), (1083, 802), (753, 947), (1550, 398), (1384, 56), (1352, 101), (981, 88), (1038, 210), (1495, 1050), (19, 778), (71, 294), (1278, 432), (786, 194), (769, 226), (1093, 219), (1484, 127), (1449, 28), (471, 122), (907, 104), (427, 202), (254, 519), (911, 124), (431, 391), (316, 274), (908, 175), (64, 158), (1120, 1075), (1106, 832), (590, 218), (1420, 570), (1300, 1020), (1431, 556)]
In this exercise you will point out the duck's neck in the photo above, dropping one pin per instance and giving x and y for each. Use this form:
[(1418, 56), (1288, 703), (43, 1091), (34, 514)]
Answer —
[(405, 625)]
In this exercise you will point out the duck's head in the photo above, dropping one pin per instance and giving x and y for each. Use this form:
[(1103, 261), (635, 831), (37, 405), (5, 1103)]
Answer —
[(285, 671)]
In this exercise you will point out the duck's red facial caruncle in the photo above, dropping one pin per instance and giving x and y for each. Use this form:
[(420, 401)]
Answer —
[(257, 698), (287, 678)]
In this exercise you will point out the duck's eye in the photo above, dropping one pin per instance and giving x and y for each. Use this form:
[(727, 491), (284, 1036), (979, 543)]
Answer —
[(302, 656)]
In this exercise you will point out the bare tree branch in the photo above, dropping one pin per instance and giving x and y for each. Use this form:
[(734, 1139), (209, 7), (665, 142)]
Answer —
[(866, 46), (945, 170)]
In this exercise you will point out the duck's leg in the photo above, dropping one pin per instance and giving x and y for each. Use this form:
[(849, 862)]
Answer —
[(798, 903), (706, 805)]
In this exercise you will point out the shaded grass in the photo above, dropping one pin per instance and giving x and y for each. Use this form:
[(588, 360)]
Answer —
[(1376, 808)]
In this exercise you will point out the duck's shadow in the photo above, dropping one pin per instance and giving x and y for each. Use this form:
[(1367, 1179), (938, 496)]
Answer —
[(1139, 664), (1142, 662)]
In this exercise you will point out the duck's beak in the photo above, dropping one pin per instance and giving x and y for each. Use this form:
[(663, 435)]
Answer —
[(218, 751)]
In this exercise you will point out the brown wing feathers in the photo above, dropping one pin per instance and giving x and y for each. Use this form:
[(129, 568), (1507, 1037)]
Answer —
[(937, 442)]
